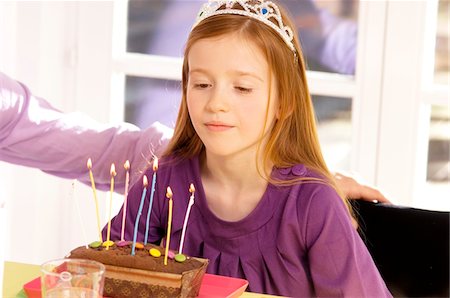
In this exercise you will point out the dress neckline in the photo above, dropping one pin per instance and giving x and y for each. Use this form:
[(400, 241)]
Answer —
[(257, 218)]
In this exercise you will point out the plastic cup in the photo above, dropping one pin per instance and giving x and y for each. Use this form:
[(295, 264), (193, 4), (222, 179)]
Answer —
[(74, 278)]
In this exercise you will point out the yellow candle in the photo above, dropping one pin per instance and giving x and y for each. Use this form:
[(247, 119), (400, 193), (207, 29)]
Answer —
[(113, 174), (169, 223), (91, 176)]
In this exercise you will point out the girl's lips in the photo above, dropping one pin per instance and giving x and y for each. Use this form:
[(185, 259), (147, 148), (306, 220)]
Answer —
[(218, 126)]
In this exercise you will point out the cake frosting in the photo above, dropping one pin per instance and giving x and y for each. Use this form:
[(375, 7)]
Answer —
[(143, 275)]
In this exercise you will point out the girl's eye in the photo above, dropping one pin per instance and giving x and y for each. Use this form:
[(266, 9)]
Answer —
[(201, 86), (243, 89)]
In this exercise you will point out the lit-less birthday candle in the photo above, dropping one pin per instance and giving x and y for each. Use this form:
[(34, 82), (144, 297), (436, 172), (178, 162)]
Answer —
[(169, 223), (141, 205), (147, 223), (91, 176), (108, 242), (127, 181), (186, 217)]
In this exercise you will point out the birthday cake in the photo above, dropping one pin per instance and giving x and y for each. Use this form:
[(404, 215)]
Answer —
[(144, 274)]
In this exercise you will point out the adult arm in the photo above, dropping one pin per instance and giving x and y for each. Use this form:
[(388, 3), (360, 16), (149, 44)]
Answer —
[(35, 134)]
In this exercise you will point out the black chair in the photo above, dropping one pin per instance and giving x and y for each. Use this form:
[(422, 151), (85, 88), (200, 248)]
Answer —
[(409, 246)]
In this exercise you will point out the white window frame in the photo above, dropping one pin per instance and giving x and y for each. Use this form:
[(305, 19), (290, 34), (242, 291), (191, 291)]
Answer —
[(408, 91), (390, 96)]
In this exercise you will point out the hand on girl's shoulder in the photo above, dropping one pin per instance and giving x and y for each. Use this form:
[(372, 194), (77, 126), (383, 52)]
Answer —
[(353, 188)]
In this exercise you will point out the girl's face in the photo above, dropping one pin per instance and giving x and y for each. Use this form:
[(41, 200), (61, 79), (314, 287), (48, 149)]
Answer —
[(228, 94)]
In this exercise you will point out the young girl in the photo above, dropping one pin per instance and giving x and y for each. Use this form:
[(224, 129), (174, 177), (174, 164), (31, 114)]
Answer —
[(266, 207)]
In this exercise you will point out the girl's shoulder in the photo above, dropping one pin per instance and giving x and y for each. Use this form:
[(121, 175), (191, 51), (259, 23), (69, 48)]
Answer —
[(306, 185), (298, 173)]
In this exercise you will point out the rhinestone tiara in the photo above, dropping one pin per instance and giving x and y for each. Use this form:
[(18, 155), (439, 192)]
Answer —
[(261, 10)]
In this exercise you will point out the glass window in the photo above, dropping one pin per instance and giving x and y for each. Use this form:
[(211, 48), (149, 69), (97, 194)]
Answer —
[(442, 62), (439, 145), (148, 100), (438, 166), (434, 194), (327, 29), (334, 126)]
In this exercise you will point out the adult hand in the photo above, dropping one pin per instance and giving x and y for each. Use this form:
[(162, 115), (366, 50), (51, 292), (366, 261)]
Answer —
[(353, 189)]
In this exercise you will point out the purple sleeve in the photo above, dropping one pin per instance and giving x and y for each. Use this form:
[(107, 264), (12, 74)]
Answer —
[(340, 263), (35, 134)]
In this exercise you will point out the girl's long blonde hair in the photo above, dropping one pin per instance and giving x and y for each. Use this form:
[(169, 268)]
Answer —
[(293, 138)]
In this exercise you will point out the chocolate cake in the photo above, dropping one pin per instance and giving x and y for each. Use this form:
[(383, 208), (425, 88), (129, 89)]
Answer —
[(143, 275)]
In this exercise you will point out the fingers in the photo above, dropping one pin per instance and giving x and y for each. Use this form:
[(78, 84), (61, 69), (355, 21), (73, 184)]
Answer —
[(368, 193), (352, 189)]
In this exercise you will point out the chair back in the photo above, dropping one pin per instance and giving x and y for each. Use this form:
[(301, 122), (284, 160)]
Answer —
[(409, 246)]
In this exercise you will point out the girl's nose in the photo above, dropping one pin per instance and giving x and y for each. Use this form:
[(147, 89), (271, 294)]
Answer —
[(218, 101)]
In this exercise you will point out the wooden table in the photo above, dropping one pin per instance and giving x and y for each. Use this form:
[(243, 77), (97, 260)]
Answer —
[(17, 274)]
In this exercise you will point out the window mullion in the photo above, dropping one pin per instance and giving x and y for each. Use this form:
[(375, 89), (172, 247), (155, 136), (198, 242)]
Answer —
[(401, 166), (366, 104)]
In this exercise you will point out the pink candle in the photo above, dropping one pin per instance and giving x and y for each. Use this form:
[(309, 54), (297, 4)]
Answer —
[(127, 181)]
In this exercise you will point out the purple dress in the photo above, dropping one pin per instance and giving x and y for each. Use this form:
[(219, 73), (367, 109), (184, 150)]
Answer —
[(298, 241)]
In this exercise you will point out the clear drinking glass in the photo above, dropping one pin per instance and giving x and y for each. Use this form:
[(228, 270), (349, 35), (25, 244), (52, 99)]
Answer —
[(74, 278)]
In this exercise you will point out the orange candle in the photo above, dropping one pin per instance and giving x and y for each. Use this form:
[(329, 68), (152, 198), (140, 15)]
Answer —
[(169, 223)]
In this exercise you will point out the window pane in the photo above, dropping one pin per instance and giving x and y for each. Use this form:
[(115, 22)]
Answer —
[(335, 130), (442, 64), (149, 100), (439, 145), (434, 194), (328, 29)]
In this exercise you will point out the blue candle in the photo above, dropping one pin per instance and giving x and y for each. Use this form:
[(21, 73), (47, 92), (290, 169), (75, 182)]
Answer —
[(155, 168), (136, 224)]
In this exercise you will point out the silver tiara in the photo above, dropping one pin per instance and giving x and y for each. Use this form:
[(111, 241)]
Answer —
[(261, 10)]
